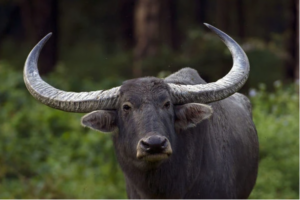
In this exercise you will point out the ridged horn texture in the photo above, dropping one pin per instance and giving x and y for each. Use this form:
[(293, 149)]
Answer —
[(81, 102), (215, 91)]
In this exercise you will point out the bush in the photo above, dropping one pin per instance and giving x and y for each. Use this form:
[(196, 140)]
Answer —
[(45, 153), (276, 118)]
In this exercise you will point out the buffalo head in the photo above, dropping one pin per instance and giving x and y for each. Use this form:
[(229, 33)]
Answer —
[(145, 120)]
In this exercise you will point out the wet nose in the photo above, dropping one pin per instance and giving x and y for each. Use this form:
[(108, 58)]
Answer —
[(154, 144)]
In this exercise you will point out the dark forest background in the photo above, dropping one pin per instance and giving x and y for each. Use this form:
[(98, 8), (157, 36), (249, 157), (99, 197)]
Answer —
[(44, 153), (142, 38)]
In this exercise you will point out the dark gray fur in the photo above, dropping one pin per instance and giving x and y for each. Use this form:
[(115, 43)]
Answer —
[(216, 159)]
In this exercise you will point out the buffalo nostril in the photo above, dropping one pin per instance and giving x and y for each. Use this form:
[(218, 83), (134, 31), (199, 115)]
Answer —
[(164, 143), (145, 145)]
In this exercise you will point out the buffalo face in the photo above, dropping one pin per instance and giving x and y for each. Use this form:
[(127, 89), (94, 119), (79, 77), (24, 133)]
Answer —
[(146, 122)]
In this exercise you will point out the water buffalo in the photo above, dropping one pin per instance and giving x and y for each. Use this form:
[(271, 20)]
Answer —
[(177, 137)]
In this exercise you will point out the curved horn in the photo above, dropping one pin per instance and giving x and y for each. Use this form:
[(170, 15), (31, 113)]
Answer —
[(232, 82), (67, 101)]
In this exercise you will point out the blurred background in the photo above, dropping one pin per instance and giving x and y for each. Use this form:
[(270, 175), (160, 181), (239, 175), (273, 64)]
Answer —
[(45, 153)]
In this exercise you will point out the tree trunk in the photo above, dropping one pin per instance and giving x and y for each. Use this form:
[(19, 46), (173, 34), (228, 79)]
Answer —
[(127, 19), (292, 64), (9, 24), (146, 18), (222, 17), (241, 18), (40, 18), (200, 8), (155, 24), (172, 19), (296, 4)]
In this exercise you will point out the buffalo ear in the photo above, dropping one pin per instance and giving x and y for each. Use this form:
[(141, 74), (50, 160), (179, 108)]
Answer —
[(100, 120), (190, 114)]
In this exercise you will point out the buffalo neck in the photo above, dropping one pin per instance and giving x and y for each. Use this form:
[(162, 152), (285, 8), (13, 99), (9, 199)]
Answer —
[(167, 179)]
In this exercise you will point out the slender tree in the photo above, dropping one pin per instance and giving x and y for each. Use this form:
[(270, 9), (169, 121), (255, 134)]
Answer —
[(200, 9), (40, 18), (168, 24), (241, 18), (9, 23), (146, 19), (154, 25), (127, 21), (292, 64), (222, 15)]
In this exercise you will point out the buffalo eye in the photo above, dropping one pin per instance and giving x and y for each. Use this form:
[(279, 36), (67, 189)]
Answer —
[(167, 105), (126, 108)]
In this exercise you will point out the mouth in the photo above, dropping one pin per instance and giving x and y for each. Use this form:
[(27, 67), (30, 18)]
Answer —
[(153, 157)]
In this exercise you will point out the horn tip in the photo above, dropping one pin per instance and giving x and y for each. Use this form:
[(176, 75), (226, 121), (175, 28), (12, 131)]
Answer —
[(209, 26), (206, 24), (48, 35)]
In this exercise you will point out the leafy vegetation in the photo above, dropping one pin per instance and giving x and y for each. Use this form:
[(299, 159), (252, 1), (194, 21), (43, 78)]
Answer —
[(276, 116), (45, 153)]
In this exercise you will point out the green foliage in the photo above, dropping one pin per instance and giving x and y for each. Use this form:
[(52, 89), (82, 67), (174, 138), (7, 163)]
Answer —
[(276, 116), (45, 153)]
